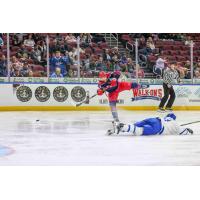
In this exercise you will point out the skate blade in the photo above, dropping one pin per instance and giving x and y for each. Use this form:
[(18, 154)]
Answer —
[(169, 111), (161, 111)]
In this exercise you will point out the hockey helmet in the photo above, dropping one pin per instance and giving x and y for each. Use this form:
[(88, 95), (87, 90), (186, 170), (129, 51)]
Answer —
[(103, 74)]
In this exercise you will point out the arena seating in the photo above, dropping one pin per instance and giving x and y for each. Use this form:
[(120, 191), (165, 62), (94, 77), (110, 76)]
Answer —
[(93, 50)]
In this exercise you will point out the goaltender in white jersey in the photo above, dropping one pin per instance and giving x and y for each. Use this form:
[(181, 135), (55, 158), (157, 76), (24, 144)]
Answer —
[(153, 126)]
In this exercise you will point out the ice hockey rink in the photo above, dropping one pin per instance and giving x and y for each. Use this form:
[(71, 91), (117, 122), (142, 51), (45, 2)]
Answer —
[(79, 138)]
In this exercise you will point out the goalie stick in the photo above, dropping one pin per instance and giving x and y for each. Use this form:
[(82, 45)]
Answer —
[(190, 123)]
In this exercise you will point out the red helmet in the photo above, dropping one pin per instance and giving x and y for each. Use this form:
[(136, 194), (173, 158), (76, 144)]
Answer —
[(102, 74)]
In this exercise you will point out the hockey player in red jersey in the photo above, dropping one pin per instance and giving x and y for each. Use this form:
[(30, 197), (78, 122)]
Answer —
[(110, 84)]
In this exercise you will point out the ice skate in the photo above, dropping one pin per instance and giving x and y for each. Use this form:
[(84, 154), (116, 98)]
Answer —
[(161, 110), (119, 127), (115, 128), (168, 109)]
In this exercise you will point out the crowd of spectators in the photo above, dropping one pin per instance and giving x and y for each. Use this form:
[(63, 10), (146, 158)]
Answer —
[(28, 54), (95, 56), (3, 59), (157, 50)]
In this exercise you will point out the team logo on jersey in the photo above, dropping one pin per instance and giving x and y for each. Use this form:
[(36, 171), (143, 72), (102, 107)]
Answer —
[(60, 94), (141, 94), (42, 93), (24, 93), (78, 93)]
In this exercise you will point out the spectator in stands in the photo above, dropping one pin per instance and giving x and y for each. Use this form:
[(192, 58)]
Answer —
[(187, 65), (1, 42), (142, 47), (67, 59), (106, 56), (24, 58), (62, 48), (86, 63), (75, 61), (54, 46), (22, 51), (57, 73), (74, 66), (3, 66), (58, 37), (130, 65), (58, 61), (16, 73), (115, 52), (37, 37), (30, 73), (116, 65), (155, 36), (197, 74), (197, 67), (150, 45), (85, 39), (36, 54), (123, 64), (91, 64), (29, 42), (100, 65), (188, 40), (73, 53), (43, 48), (15, 65), (70, 38), (160, 65), (25, 70), (182, 70), (98, 37), (18, 38), (110, 66), (88, 39)]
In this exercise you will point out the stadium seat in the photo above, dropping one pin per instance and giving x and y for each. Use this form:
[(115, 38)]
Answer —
[(103, 45), (88, 51), (125, 37), (15, 48), (37, 68), (167, 47), (98, 51), (176, 47)]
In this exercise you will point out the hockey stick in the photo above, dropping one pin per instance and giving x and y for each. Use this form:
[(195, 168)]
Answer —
[(79, 104), (190, 123)]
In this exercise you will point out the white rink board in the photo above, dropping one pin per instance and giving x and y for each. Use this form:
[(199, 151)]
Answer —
[(187, 95)]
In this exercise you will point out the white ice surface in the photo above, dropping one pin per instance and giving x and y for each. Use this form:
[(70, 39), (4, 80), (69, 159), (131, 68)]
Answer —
[(79, 138)]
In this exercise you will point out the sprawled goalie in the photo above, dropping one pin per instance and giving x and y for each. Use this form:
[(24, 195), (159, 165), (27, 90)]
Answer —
[(153, 126)]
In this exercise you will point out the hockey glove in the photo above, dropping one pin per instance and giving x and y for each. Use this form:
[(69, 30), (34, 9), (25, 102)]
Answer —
[(100, 91)]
